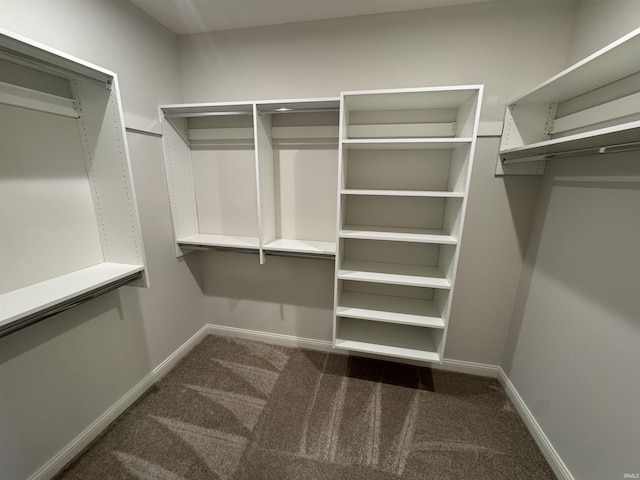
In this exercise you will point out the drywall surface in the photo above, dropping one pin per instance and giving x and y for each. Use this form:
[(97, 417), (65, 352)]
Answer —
[(572, 351), (509, 46), (600, 22), (59, 376)]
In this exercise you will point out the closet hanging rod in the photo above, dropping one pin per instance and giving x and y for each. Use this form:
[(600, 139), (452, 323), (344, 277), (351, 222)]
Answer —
[(63, 306), (617, 148), (315, 256), (273, 253), (271, 110), (206, 114), (57, 70)]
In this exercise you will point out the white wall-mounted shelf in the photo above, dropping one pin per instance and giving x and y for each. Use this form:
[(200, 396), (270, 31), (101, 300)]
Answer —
[(405, 162), (397, 234), (389, 339), (393, 274), (238, 174), (387, 308), (24, 302), (591, 107), (65, 171)]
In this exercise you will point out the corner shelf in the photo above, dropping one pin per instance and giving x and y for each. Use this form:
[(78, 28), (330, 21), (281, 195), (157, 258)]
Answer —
[(405, 162), (592, 107), (93, 241)]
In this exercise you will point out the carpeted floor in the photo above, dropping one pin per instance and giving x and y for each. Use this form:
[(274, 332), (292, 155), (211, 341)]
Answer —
[(234, 409)]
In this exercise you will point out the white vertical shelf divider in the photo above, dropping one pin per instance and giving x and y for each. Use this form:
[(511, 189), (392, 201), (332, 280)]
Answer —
[(94, 242), (401, 216), (265, 179)]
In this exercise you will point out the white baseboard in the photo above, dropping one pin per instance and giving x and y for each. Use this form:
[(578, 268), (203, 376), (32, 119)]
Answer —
[(58, 462), (460, 366), (55, 464), (275, 338), (549, 452)]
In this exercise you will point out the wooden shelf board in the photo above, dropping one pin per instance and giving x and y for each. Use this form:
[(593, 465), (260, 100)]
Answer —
[(393, 274), (405, 143), (211, 240), (619, 134), (26, 301), (419, 235), (301, 246), (402, 193), (402, 341), (385, 308)]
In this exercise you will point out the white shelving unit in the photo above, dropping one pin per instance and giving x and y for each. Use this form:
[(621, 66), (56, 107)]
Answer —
[(256, 176), (68, 213), (209, 152), (590, 108), (405, 162), (297, 156)]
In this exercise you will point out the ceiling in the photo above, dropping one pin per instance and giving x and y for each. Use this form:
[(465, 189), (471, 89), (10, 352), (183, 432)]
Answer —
[(195, 16)]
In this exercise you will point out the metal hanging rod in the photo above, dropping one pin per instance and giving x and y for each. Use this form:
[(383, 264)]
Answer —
[(61, 307), (618, 148), (57, 70), (293, 109), (253, 251), (207, 114)]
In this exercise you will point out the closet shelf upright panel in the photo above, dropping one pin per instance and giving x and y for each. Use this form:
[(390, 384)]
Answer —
[(405, 162), (68, 210)]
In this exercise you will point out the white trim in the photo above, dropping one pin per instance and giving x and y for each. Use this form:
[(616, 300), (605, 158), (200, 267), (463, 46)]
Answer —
[(275, 338), (471, 368), (549, 452), (69, 452)]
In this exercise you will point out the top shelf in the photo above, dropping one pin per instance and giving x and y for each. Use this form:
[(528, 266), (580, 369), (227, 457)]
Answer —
[(615, 61), (411, 99)]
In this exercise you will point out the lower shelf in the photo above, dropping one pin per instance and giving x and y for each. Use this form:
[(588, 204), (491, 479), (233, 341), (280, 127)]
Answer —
[(393, 274), (386, 308), (402, 341), (211, 240), (24, 302), (301, 246)]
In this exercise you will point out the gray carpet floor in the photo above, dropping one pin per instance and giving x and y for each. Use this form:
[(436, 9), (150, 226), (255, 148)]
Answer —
[(241, 410)]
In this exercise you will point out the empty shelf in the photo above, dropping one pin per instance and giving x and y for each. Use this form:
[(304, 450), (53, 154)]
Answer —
[(301, 246), (405, 143), (393, 274), (385, 308), (403, 193), (18, 304), (401, 341), (420, 235), (231, 241)]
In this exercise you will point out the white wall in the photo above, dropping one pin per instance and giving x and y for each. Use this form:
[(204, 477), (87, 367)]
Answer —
[(507, 45), (60, 375), (573, 347)]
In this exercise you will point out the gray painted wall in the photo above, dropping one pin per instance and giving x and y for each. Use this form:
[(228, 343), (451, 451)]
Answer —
[(59, 376), (508, 46), (573, 349)]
